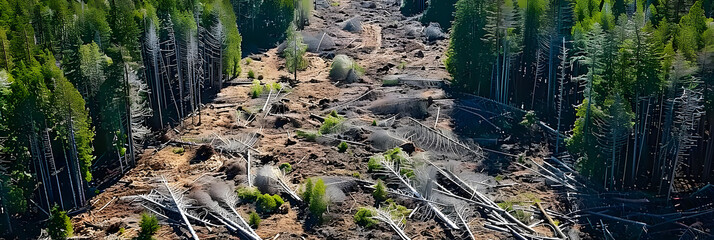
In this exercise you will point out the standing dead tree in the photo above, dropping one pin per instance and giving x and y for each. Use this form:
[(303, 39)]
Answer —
[(682, 137), (612, 134)]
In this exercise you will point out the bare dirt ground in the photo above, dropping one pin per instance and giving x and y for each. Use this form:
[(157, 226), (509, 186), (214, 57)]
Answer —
[(381, 49)]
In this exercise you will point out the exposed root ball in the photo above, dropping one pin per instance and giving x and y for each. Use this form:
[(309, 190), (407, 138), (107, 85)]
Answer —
[(233, 169), (203, 153)]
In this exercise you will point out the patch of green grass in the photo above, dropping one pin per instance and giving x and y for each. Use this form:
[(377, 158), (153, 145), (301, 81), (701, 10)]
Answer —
[(507, 205), (522, 216), (498, 178), (398, 211), (331, 123), (310, 136), (402, 65), (358, 69), (251, 74), (390, 82), (335, 4), (179, 151), (342, 147), (276, 86)]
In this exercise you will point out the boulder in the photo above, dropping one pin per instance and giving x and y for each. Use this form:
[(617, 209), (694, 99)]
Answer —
[(433, 32), (353, 25)]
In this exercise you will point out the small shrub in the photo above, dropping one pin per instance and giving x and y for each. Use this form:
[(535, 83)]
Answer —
[(507, 205), (306, 135), (149, 226), (394, 154), (522, 216), (269, 204), (254, 220), (248, 61), (59, 225), (330, 124), (358, 69), (276, 86), (318, 202), (374, 122), (251, 74), (286, 167), (179, 151), (278, 200), (363, 217), (398, 211), (498, 178), (409, 173), (335, 4), (248, 194), (356, 175), (529, 119), (402, 65), (266, 203), (256, 89), (334, 113), (342, 147), (122, 230), (380, 192), (374, 164)]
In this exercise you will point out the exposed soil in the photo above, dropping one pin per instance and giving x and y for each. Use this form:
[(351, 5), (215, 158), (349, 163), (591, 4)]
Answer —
[(382, 49)]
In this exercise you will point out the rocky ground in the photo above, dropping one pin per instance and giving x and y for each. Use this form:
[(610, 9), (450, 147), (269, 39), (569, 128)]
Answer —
[(389, 44)]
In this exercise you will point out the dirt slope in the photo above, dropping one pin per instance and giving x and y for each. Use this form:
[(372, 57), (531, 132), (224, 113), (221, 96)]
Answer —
[(382, 49)]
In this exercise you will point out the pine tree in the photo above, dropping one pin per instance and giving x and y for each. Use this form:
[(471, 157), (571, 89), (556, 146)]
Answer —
[(318, 201), (467, 57), (92, 66), (295, 51), (441, 12), (59, 226), (5, 56)]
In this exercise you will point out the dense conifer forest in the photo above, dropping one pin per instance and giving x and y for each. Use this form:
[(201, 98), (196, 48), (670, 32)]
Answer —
[(618, 92)]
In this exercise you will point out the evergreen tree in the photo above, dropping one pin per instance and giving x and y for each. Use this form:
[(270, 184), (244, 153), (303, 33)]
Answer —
[(59, 225), (294, 51), (318, 200), (439, 11), (467, 55), (5, 55)]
